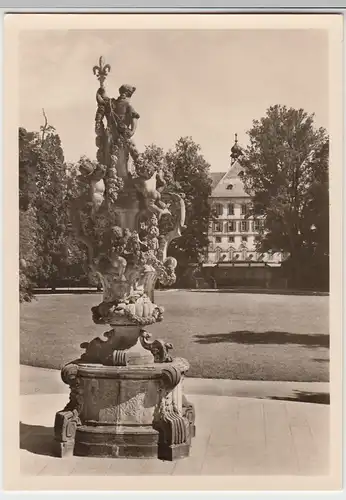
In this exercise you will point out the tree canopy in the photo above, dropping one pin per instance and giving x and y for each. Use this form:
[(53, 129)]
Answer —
[(285, 170), (47, 253), (190, 176)]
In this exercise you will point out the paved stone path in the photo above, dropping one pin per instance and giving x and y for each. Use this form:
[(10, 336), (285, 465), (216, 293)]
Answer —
[(235, 435)]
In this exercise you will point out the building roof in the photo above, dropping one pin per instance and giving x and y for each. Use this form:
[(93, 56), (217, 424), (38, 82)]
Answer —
[(215, 177), (228, 184)]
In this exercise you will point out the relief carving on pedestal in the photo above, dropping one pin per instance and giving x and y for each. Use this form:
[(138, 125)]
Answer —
[(133, 408)]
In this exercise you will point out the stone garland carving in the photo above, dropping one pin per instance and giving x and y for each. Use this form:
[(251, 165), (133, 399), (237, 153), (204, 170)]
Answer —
[(96, 177), (127, 312)]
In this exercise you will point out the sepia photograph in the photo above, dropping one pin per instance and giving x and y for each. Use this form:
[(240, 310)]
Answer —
[(172, 181)]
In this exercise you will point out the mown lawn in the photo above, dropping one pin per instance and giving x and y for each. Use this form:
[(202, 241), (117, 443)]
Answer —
[(223, 335)]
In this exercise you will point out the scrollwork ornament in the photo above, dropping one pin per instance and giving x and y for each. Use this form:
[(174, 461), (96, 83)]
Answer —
[(69, 375), (157, 347)]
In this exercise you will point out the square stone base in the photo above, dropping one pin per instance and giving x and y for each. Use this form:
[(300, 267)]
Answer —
[(125, 412), (116, 442), (173, 452)]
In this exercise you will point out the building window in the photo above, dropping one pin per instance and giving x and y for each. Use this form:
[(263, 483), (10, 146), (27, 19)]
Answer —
[(257, 225), (231, 209), (217, 227), (217, 239), (231, 227), (231, 239), (244, 226), (219, 209), (230, 186), (244, 209), (244, 239)]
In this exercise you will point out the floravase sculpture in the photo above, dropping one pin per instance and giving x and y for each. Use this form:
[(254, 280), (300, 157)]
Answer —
[(126, 397)]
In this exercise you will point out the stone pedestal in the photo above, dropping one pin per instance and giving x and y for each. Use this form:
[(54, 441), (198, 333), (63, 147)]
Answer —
[(134, 411)]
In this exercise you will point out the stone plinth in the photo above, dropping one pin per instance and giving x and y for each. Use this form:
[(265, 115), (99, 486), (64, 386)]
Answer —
[(125, 411)]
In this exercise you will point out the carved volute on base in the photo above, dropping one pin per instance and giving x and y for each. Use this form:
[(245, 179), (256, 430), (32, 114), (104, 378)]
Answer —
[(126, 397)]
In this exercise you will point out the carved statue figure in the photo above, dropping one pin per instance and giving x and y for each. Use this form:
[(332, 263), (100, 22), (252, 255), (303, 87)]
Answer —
[(165, 240), (114, 141), (150, 194), (120, 113), (94, 174)]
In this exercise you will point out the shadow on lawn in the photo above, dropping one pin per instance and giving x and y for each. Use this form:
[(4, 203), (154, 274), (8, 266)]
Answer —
[(37, 439), (322, 398), (269, 337)]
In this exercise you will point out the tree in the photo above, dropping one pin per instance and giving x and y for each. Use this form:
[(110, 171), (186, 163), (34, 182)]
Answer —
[(28, 154), (52, 216), (190, 176), (29, 147), (27, 253), (285, 170), (43, 186)]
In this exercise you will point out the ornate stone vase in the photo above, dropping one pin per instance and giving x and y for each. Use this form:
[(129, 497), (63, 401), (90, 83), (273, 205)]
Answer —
[(126, 393)]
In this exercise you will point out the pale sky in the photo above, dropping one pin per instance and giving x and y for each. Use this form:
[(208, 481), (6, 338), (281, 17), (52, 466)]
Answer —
[(207, 84)]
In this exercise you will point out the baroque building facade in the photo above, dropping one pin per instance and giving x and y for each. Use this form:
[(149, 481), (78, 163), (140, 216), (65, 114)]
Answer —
[(233, 234)]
